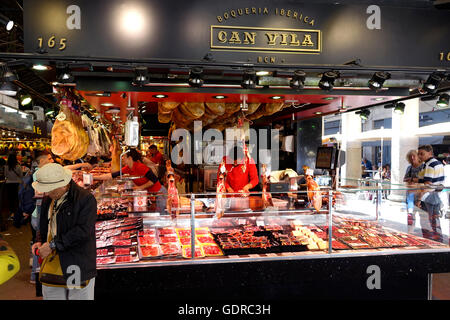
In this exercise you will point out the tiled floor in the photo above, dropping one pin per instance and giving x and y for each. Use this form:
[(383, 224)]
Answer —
[(20, 288)]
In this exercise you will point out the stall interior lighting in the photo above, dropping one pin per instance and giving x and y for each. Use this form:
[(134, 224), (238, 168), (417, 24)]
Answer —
[(298, 80), (219, 97), (262, 73), (196, 77), (443, 101), (276, 97), (160, 96), (327, 80), (378, 79)]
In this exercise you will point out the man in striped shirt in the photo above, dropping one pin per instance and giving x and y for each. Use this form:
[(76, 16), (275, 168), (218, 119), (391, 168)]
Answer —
[(432, 174)]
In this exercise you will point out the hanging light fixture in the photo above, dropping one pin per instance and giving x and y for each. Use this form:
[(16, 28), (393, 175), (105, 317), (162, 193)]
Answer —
[(432, 83), (443, 101), (196, 77), (249, 79), (399, 108), (377, 80), (141, 76), (327, 80), (65, 76), (298, 80), (364, 114), (8, 88)]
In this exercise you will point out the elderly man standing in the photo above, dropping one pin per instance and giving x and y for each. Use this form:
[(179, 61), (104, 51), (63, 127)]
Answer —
[(67, 228)]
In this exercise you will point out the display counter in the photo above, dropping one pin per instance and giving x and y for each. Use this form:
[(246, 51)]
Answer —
[(359, 247)]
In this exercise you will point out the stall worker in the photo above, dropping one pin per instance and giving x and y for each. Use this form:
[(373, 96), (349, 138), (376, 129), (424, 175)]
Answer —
[(242, 174)]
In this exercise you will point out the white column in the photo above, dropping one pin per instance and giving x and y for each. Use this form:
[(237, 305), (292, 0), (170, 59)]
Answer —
[(404, 128), (351, 128)]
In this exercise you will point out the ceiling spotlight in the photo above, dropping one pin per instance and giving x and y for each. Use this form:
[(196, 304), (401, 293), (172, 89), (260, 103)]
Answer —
[(219, 97), (249, 79), (298, 80), (276, 97), (160, 96), (196, 77), (41, 67), (378, 78), (24, 98), (443, 101), (9, 25), (327, 81), (364, 114), (399, 108), (262, 73), (432, 82), (140, 76)]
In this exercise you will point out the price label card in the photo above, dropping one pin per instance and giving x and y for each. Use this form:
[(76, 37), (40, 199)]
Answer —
[(260, 223)]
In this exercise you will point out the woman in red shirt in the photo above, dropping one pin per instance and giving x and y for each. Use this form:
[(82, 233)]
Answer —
[(148, 181), (242, 174)]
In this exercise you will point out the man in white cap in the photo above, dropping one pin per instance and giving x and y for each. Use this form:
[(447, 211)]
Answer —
[(68, 215)]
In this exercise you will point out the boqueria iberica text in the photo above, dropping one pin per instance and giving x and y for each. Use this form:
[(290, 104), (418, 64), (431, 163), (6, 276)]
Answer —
[(288, 13)]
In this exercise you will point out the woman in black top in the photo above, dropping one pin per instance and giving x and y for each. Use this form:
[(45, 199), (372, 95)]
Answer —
[(13, 176)]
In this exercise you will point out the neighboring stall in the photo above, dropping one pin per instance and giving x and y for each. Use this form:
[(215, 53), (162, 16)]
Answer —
[(303, 231)]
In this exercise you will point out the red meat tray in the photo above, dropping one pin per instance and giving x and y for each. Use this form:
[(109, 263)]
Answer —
[(171, 249)]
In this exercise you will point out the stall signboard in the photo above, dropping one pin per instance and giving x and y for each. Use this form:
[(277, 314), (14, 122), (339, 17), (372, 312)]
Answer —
[(240, 31)]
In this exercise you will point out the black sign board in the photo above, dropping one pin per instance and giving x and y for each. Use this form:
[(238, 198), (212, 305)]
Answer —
[(240, 31)]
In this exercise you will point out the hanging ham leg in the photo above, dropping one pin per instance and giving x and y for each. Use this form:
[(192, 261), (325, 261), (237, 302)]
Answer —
[(219, 205), (173, 199), (267, 197)]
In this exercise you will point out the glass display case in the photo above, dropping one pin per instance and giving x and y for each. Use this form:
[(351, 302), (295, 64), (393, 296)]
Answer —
[(352, 242)]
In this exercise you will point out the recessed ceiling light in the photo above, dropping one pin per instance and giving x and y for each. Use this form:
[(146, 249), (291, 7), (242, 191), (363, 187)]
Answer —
[(318, 112), (379, 99), (219, 97), (41, 67), (329, 98), (107, 104), (160, 96), (276, 97), (262, 73)]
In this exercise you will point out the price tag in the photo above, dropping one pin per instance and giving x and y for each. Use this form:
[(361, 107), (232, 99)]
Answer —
[(260, 223)]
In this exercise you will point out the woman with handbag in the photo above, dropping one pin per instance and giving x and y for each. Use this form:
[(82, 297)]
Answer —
[(66, 237)]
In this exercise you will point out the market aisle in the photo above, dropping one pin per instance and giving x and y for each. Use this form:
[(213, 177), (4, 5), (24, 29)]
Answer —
[(19, 287)]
